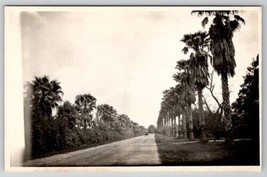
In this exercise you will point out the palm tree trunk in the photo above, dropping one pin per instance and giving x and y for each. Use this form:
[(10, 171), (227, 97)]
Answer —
[(175, 126), (203, 137), (184, 126), (190, 121), (165, 125), (84, 124), (171, 125), (171, 128), (227, 110), (179, 126)]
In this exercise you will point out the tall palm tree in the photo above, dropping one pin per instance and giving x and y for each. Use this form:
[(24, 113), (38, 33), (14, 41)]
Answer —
[(198, 42), (222, 48), (184, 77), (85, 104), (43, 96)]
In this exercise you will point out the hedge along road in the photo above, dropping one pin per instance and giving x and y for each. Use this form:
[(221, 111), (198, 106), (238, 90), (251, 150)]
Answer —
[(141, 150)]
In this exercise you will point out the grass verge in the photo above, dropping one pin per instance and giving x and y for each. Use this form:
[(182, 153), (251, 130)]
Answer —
[(173, 151)]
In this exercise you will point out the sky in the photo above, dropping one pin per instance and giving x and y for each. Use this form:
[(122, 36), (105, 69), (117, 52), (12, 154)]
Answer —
[(125, 57)]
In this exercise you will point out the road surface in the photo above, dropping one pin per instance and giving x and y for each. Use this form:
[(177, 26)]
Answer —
[(136, 151)]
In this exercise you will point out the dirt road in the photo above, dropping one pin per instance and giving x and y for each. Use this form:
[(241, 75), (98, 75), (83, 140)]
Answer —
[(136, 151)]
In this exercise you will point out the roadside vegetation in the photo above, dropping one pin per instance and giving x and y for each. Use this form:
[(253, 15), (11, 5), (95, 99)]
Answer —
[(75, 125)]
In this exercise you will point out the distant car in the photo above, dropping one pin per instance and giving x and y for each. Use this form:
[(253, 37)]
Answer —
[(146, 133)]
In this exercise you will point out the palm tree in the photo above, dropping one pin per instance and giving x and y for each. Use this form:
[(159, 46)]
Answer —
[(181, 108), (198, 42), (107, 114), (43, 96), (184, 77), (85, 104), (161, 119), (222, 48), (124, 120), (172, 101), (165, 108), (165, 105)]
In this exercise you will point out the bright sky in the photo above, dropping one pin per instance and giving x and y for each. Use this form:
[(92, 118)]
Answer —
[(124, 57)]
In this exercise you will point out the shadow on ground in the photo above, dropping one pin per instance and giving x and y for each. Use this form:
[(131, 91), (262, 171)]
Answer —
[(177, 152)]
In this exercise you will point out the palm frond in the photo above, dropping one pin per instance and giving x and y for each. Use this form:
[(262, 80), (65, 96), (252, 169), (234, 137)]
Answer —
[(238, 18), (203, 12), (234, 24), (185, 50), (204, 22)]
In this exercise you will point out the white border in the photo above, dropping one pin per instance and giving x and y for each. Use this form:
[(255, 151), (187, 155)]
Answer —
[(12, 68)]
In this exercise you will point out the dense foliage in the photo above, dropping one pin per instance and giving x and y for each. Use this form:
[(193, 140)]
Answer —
[(246, 107), (73, 126)]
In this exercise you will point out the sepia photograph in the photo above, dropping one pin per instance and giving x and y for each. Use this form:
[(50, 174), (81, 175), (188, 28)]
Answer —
[(136, 87)]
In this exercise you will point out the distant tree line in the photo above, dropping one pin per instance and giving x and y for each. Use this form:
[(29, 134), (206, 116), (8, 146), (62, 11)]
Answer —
[(58, 126), (151, 129)]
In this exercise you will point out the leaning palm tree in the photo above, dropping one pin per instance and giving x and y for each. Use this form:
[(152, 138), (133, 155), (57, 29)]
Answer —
[(198, 42), (222, 48), (85, 104)]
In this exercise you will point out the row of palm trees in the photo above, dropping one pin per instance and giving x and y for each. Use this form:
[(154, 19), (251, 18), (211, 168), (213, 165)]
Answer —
[(42, 96), (90, 114), (193, 75)]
